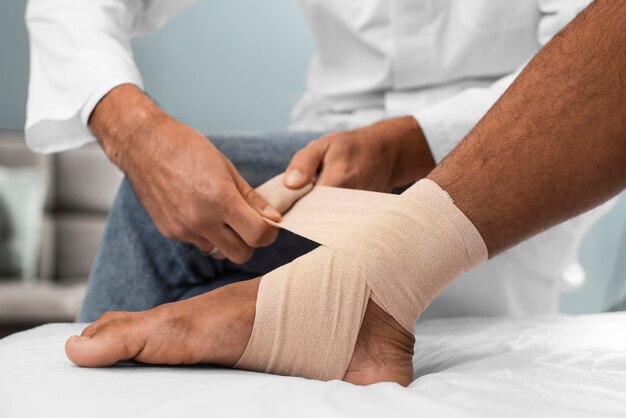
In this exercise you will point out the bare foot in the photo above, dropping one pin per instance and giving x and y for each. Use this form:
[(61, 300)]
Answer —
[(211, 328), (215, 328), (383, 351)]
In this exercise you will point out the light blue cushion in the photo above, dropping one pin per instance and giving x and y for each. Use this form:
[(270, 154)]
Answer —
[(22, 194)]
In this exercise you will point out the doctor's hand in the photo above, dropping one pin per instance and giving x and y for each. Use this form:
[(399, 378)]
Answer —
[(378, 157), (192, 192)]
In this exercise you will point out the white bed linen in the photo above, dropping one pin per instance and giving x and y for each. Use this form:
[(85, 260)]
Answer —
[(551, 366)]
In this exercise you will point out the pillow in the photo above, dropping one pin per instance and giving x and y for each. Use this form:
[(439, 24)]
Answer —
[(22, 196)]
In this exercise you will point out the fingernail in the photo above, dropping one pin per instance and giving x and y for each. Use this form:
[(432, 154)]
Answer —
[(294, 177), (81, 337), (270, 212)]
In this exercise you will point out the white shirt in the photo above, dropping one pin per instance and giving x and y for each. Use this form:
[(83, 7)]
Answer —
[(437, 60), (444, 62)]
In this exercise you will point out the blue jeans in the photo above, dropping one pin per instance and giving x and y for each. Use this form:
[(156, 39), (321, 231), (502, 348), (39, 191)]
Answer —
[(137, 268)]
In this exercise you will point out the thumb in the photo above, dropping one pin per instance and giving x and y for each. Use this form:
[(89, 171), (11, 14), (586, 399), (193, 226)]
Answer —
[(253, 198), (305, 164)]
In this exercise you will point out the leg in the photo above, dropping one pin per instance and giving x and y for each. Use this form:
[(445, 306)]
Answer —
[(137, 268), (215, 327)]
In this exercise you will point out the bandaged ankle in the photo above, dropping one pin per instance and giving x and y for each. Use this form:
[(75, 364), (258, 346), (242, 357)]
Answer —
[(398, 250)]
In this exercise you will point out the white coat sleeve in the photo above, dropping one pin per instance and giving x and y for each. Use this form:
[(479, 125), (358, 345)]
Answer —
[(79, 51), (446, 123)]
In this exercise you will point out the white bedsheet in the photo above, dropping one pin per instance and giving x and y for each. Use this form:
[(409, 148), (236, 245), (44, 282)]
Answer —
[(553, 367)]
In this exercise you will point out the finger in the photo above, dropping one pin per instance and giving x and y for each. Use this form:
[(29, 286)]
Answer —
[(205, 246), (232, 246), (335, 175), (252, 198), (241, 230), (117, 340), (213, 252), (305, 163), (250, 227)]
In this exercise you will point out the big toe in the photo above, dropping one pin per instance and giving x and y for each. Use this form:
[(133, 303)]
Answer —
[(114, 341)]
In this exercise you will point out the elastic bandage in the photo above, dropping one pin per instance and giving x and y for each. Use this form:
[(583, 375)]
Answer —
[(398, 250)]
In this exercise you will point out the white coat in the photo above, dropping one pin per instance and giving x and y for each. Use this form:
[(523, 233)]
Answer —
[(445, 62)]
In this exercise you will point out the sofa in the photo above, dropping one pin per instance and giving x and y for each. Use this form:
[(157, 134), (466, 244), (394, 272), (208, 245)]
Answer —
[(81, 185)]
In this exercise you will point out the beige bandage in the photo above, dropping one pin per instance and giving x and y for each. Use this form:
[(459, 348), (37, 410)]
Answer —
[(398, 250)]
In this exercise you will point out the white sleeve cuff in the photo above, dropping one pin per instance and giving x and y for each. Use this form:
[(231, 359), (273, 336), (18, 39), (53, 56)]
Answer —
[(446, 123), (433, 122), (100, 92), (67, 128)]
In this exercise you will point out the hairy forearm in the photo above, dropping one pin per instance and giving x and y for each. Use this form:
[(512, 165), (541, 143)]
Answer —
[(120, 120), (554, 145)]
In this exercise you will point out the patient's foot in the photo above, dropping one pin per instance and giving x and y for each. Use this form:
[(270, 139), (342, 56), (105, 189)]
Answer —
[(383, 351), (211, 328), (215, 328)]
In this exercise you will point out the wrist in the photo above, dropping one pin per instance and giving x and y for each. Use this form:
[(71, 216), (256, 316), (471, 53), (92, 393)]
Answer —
[(413, 159), (121, 121)]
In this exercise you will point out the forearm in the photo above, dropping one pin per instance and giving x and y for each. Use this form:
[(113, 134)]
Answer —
[(555, 144), (121, 121)]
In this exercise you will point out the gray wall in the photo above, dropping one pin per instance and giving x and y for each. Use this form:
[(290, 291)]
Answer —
[(13, 64), (602, 254), (239, 65), (219, 65), (229, 65)]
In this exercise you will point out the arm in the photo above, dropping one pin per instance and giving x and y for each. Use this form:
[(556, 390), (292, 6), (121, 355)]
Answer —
[(399, 151), (78, 52), (447, 122), (555, 144), (168, 163), (83, 77)]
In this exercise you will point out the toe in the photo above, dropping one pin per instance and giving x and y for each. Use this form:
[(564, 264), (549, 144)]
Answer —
[(105, 318), (109, 343)]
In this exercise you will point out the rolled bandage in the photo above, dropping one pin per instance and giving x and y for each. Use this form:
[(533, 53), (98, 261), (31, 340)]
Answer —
[(280, 197), (398, 250)]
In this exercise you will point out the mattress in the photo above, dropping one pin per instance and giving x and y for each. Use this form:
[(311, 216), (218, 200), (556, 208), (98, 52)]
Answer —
[(558, 366)]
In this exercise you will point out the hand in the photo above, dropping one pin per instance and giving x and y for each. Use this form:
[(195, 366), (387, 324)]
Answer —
[(191, 191), (378, 157)]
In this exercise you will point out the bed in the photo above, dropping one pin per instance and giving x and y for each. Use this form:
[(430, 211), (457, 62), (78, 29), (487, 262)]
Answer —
[(557, 366)]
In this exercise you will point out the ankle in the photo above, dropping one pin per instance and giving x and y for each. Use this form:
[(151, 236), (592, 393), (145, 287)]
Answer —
[(383, 351)]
